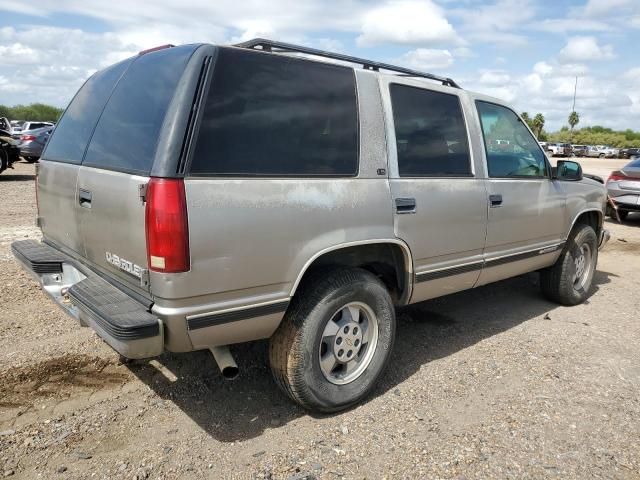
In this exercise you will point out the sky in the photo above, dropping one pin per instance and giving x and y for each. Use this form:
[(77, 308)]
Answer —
[(526, 52)]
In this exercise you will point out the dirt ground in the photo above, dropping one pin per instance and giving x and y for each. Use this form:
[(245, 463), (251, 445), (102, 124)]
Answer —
[(491, 383)]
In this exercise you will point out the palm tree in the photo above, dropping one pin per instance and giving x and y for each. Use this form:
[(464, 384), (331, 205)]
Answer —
[(574, 119), (538, 124)]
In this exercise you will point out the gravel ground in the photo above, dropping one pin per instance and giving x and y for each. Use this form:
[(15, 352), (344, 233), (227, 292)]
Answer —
[(491, 383)]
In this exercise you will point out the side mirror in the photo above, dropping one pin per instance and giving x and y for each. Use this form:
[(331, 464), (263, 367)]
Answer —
[(568, 171)]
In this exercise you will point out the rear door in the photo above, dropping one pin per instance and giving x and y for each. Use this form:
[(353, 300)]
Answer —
[(118, 162), (60, 162), (440, 205)]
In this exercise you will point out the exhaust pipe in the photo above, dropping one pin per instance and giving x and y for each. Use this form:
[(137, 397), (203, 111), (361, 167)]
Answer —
[(225, 362)]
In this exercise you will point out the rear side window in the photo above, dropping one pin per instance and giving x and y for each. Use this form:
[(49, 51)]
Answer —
[(431, 136), (73, 131), (272, 115), (126, 136)]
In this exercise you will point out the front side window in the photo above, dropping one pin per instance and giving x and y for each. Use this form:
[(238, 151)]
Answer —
[(431, 137), (511, 149), (271, 115)]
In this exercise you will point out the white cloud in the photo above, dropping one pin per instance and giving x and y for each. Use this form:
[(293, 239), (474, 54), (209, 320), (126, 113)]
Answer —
[(542, 68), (585, 49), (564, 25), (407, 22), (498, 23), (427, 59), (597, 8), (494, 77)]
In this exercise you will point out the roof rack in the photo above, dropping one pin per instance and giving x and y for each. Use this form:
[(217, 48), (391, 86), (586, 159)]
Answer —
[(273, 46)]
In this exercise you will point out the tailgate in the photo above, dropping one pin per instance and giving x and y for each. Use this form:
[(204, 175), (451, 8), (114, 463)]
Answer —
[(111, 221), (97, 207)]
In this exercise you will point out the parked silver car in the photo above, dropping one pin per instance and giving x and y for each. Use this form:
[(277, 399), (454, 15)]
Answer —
[(199, 196), (32, 143), (623, 187)]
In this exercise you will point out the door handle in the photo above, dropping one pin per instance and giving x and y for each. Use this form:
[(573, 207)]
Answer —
[(405, 205), (495, 200), (84, 198)]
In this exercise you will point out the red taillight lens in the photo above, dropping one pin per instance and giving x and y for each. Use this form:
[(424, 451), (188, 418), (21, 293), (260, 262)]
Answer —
[(615, 177), (25, 138), (167, 226)]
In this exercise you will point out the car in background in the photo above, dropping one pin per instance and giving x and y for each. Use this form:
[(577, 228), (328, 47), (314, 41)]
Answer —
[(9, 152), (579, 150), (602, 151), (560, 149), (17, 132), (629, 152), (623, 188), (32, 143)]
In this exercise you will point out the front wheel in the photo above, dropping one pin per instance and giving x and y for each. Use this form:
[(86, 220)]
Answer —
[(335, 340), (568, 281), (31, 159)]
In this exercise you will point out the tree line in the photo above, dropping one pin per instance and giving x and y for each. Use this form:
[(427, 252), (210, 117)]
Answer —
[(595, 135), (34, 111)]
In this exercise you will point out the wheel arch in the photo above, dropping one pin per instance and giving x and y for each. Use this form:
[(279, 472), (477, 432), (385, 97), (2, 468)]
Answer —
[(590, 216), (374, 255)]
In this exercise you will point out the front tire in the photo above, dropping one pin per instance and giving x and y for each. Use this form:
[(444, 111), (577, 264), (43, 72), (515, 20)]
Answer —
[(568, 281), (31, 159), (335, 340)]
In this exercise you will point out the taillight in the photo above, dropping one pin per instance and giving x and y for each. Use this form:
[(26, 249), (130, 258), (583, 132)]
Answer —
[(616, 177), (26, 138), (166, 225)]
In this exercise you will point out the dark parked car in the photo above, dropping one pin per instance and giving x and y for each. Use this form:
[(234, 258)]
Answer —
[(623, 187), (32, 143), (629, 152), (9, 152)]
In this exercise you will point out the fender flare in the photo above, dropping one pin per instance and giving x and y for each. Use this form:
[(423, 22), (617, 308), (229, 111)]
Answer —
[(406, 251)]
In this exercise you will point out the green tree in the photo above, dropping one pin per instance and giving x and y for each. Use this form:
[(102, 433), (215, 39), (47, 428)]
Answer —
[(574, 119), (538, 124)]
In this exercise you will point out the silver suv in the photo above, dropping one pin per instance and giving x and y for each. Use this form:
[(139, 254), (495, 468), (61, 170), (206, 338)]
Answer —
[(198, 196)]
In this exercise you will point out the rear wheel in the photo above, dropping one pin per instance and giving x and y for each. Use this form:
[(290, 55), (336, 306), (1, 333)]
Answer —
[(569, 280), (335, 339), (601, 155)]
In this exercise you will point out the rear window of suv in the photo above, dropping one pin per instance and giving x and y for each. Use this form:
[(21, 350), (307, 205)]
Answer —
[(270, 115), (126, 136), (72, 134)]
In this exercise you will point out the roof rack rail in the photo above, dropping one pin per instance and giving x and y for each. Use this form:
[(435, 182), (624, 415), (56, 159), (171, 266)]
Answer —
[(273, 46)]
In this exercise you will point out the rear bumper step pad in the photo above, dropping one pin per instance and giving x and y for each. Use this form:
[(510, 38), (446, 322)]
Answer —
[(120, 320), (117, 313), (38, 256)]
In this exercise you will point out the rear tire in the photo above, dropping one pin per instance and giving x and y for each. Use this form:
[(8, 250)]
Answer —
[(568, 281), (335, 339)]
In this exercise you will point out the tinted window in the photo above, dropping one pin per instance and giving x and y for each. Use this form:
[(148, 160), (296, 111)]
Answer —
[(69, 141), (431, 137), (511, 149), (276, 115), (127, 132)]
